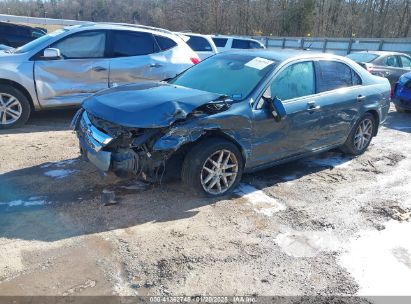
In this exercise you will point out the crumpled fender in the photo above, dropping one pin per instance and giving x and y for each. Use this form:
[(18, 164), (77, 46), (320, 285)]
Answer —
[(191, 131)]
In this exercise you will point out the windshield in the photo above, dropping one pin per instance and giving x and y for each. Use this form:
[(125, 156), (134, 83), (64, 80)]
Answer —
[(37, 42), (362, 57), (233, 75)]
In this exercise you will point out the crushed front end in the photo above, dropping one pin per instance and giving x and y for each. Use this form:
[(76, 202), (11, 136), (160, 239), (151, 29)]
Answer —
[(119, 149)]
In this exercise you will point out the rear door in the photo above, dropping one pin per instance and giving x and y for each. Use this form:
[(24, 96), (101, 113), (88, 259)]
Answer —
[(340, 95), (81, 72), (136, 57), (295, 86)]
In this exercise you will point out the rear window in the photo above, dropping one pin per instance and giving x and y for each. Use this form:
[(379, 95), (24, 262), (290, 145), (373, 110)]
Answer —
[(332, 75), (362, 57), (165, 43), (199, 44), (220, 42), (127, 44)]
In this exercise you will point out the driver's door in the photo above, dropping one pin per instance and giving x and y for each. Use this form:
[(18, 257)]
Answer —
[(82, 71), (295, 86)]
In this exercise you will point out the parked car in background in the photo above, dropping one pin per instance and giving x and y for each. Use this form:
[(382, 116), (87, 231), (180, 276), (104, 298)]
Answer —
[(203, 45), (402, 93), (15, 35), (390, 65), (227, 43), (235, 112), (63, 68)]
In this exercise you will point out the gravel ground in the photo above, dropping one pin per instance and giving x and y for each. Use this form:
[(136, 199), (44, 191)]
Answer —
[(327, 225)]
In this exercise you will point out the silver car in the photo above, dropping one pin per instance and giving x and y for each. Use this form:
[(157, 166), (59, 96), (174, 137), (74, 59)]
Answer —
[(65, 67)]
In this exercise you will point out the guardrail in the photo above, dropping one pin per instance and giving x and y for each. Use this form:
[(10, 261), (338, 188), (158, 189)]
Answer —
[(340, 46), (40, 21)]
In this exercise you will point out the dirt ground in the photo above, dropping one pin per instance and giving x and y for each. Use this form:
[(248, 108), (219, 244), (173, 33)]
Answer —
[(327, 225)]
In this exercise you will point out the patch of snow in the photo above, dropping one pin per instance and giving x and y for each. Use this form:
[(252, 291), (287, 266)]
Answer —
[(261, 202), (380, 261), (59, 164), (32, 201), (307, 243), (59, 173), (332, 161)]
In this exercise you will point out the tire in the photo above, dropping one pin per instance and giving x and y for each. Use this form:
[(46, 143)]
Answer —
[(399, 110), (197, 165), (19, 105), (356, 146)]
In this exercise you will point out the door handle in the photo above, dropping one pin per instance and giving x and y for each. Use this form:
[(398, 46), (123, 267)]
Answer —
[(99, 69), (360, 98), (155, 65), (312, 107)]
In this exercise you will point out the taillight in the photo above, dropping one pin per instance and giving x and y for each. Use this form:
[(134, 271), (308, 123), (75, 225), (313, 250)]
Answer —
[(195, 60)]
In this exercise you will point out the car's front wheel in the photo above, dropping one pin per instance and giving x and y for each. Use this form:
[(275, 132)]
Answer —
[(213, 167), (361, 135), (14, 107)]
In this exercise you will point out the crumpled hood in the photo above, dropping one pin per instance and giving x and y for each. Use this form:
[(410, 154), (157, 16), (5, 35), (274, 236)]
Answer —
[(146, 105)]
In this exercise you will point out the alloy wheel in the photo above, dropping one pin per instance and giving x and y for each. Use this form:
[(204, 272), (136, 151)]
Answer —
[(10, 109), (363, 134), (219, 172)]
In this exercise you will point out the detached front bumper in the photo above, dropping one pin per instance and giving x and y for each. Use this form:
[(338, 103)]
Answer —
[(92, 141)]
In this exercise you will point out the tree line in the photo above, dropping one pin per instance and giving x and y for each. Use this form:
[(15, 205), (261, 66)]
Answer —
[(321, 18)]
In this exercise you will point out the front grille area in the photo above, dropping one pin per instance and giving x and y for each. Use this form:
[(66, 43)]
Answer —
[(105, 126)]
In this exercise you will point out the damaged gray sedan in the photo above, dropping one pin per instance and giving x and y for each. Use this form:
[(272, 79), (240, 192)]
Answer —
[(233, 113)]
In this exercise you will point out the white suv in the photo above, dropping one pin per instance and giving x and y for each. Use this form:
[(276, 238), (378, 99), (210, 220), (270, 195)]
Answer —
[(226, 43), (203, 45)]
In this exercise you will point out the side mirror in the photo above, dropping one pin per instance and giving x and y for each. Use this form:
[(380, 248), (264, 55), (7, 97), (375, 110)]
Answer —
[(277, 109), (52, 53)]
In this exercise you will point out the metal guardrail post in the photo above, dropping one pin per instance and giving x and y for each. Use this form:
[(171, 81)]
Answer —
[(283, 46), (381, 45), (302, 43), (325, 45), (349, 46)]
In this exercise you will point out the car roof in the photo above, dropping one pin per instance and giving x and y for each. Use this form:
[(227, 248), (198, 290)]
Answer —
[(380, 53), (121, 26), (283, 54)]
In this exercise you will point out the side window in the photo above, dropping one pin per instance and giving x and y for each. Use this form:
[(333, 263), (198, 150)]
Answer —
[(220, 42), (295, 81), (391, 61), (199, 44), (241, 44), (255, 45), (332, 75), (165, 43), (126, 44), (82, 45), (405, 62)]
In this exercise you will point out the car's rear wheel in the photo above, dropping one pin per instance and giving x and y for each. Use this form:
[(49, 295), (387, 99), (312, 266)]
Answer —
[(399, 109), (213, 167), (14, 107), (361, 135)]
